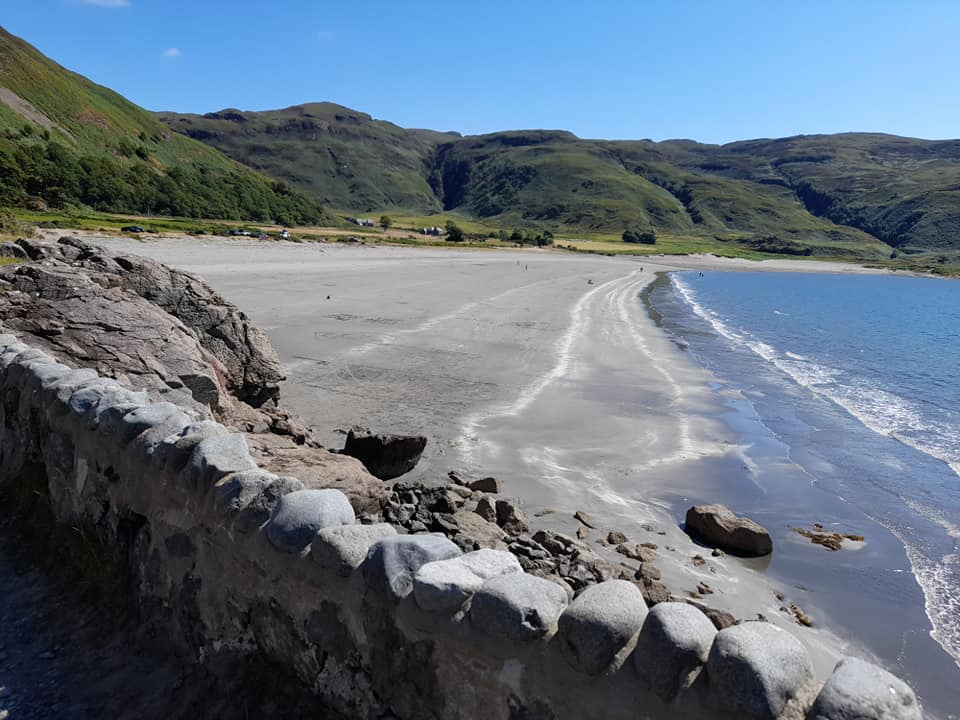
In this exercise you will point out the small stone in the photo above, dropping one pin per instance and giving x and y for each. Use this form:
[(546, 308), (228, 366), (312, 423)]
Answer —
[(755, 668), (517, 607), (615, 537), (717, 552), (600, 624), (582, 532), (301, 514), (858, 690), (699, 561), (480, 532), (343, 548), (511, 518), (485, 485), (584, 518), (486, 509), (392, 562), (654, 592), (672, 647), (444, 585), (647, 571), (637, 552)]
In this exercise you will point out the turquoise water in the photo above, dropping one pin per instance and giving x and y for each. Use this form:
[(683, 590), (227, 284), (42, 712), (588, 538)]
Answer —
[(858, 377)]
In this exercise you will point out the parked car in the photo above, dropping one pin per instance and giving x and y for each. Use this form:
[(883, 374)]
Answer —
[(132, 229), (284, 234), (236, 232)]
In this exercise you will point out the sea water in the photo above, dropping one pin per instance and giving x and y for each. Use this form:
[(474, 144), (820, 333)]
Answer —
[(858, 376)]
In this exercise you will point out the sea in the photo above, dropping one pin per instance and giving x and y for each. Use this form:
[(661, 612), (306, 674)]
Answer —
[(849, 384)]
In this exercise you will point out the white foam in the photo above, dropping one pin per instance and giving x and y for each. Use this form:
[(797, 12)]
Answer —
[(940, 583), (876, 408)]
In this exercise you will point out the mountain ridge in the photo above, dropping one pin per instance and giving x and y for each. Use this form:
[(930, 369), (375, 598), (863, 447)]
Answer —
[(800, 187)]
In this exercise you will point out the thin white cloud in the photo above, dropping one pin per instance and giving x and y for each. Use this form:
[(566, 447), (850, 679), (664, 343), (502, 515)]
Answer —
[(106, 3), (172, 53)]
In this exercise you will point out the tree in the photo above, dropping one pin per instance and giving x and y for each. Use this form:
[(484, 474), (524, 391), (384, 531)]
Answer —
[(385, 222), (454, 233), (645, 237)]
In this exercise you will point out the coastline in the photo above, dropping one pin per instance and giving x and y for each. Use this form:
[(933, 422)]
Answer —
[(398, 351)]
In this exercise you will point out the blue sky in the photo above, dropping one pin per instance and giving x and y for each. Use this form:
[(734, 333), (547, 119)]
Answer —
[(711, 71)]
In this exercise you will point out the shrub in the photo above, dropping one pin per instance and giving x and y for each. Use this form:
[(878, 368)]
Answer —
[(454, 233), (645, 237)]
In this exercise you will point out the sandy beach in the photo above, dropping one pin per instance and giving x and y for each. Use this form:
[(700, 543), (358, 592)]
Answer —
[(545, 369)]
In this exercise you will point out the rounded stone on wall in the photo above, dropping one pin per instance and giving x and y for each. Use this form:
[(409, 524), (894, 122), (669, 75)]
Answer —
[(301, 514), (445, 585), (673, 646), (342, 549), (216, 457), (518, 606), (755, 668), (858, 690), (234, 492), (600, 624), (392, 562)]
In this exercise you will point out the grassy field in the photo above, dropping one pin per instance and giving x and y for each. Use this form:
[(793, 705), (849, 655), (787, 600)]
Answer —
[(20, 222)]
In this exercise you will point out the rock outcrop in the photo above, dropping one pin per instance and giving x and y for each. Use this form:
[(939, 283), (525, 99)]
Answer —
[(168, 333), (717, 525), (249, 367)]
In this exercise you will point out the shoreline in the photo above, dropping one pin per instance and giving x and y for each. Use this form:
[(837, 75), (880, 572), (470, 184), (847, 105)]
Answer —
[(889, 563), (406, 358)]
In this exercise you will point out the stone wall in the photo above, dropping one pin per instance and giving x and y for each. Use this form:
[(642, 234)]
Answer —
[(234, 561)]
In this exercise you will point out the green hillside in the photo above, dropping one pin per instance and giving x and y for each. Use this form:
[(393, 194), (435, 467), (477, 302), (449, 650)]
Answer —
[(833, 193), (67, 141), (346, 158)]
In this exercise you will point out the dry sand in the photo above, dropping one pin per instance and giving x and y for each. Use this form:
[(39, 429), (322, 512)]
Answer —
[(540, 367)]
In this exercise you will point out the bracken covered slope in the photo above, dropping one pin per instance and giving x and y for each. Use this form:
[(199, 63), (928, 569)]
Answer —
[(65, 140)]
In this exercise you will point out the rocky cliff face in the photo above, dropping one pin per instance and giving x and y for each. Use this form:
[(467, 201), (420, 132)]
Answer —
[(169, 334), (165, 327)]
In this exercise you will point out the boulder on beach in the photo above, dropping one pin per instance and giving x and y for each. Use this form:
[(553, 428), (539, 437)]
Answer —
[(385, 456), (719, 526)]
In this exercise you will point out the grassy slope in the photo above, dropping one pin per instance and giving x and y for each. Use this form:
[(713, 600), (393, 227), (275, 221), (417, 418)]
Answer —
[(93, 121), (93, 118)]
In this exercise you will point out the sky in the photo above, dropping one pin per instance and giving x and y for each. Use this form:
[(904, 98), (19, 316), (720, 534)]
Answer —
[(713, 71)]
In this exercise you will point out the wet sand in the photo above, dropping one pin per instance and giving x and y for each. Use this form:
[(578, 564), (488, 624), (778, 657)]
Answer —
[(544, 369)]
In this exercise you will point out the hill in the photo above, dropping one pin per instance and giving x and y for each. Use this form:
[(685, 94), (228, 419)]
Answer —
[(825, 192), (344, 157), (65, 140)]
